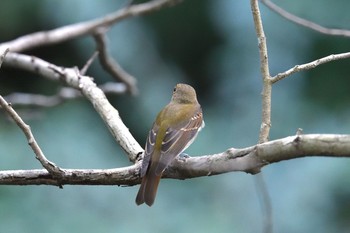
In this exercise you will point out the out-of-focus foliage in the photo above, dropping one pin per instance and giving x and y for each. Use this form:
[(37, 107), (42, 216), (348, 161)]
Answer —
[(211, 45)]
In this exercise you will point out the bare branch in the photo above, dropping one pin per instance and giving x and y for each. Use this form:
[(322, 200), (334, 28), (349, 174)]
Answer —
[(116, 176), (31, 64), (85, 28), (88, 63), (88, 88), (113, 88), (2, 55), (65, 93), (313, 26), (310, 65), (110, 65), (265, 202), (246, 160), (266, 108), (305, 23), (264, 67), (54, 170), (250, 158)]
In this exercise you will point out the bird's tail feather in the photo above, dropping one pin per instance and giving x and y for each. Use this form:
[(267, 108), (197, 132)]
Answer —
[(148, 190)]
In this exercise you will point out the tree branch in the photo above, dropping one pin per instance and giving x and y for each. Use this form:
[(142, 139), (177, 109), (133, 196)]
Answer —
[(88, 63), (64, 94), (310, 65), (54, 170), (305, 23), (2, 55), (265, 113), (264, 67), (245, 160), (117, 176), (85, 84), (110, 65), (313, 26), (85, 28)]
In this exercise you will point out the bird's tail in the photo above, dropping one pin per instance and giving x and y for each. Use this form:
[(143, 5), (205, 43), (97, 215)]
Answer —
[(148, 189)]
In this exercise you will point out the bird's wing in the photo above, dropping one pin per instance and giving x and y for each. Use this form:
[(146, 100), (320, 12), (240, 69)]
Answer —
[(177, 139), (151, 140)]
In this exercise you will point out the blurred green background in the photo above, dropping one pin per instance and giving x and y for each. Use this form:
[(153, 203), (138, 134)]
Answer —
[(211, 45)]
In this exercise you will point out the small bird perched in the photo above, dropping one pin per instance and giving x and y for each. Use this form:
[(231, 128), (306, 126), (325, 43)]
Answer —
[(175, 128)]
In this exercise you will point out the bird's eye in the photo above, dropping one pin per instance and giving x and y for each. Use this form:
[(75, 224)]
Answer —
[(174, 89)]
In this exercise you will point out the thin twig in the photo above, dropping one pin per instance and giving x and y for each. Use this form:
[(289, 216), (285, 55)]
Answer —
[(313, 26), (305, 23), (112, 66), (113, 88), (310, 65), (64, 94), (69, 32), (52, 168), (88, 63), (2, 55)]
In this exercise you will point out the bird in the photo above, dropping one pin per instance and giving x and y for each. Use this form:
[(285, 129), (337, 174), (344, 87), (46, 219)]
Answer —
[(173, 131)]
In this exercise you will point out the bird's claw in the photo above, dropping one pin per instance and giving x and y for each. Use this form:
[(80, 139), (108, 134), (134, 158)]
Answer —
[(183, 156)]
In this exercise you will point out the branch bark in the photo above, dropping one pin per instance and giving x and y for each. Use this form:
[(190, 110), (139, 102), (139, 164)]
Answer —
[(305, 23), (313, 26), (52, 168), (64, 94), (264, 67), (245, 160), (310, 65), (110, 65), (85, 84), (69, 32), (2, 55)]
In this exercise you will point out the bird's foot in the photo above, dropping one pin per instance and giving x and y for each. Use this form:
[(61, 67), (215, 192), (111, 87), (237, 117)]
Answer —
[(183, 156)]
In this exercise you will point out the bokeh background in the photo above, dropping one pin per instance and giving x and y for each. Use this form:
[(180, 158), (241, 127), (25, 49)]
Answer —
[(212, 46)]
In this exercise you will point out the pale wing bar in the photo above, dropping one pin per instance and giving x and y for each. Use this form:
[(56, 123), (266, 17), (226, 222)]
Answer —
[(177, 140)]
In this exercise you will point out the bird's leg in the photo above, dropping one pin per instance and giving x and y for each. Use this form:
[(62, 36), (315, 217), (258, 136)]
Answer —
[(183, 156)]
